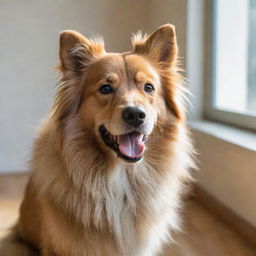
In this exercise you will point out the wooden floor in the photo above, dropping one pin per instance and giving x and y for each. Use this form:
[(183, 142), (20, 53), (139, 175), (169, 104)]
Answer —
[(203, 234)]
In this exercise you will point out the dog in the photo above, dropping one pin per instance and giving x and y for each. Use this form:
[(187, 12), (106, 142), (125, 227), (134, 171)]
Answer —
[(112, 158)]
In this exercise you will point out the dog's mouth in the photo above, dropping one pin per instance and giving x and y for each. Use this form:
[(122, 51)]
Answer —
[(129, 146)]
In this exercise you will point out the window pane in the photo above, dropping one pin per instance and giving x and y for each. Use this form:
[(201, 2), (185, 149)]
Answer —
[(235, 55), (252, 57)]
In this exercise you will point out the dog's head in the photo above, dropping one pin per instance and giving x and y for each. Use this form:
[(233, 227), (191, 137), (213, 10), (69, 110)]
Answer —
[(121, 98)]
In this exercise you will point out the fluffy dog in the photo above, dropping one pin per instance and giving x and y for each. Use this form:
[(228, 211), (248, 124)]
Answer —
[(111, 158)]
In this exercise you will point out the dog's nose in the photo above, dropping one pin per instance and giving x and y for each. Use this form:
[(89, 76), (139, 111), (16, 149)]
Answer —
[(134, 116)]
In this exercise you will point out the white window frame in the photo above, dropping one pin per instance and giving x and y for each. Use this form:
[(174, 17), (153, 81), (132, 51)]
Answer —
[(236, 118)]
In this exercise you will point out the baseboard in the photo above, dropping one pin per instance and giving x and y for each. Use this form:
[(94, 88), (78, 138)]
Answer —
[(235, 222)]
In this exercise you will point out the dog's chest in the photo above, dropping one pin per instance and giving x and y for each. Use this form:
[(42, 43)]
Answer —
[(137, 208), (129, 211)]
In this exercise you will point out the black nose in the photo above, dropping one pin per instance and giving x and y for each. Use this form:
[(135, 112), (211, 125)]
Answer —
[(134, 116)]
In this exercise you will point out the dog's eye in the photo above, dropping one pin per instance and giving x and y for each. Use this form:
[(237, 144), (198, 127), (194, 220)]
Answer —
[(106, 89), (149, 88)]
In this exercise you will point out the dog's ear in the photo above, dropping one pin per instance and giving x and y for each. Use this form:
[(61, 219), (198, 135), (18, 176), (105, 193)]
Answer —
[(160, 46), (76, 51)]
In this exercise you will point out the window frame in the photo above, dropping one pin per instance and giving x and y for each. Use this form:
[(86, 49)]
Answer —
[(235, 118)]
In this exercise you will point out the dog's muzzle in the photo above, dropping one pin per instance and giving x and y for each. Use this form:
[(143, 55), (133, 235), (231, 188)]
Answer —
[(128, 146)]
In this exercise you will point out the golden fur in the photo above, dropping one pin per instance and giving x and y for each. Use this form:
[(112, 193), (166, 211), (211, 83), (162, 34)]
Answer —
[(83, 200)]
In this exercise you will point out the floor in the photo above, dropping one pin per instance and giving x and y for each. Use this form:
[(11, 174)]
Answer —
[(203, 234)]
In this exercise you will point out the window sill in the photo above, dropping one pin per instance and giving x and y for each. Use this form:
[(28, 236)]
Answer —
[(233, 135)]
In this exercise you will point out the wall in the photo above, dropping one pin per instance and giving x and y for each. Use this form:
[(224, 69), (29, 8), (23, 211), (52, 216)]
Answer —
[(227, 171), (29, 51), (174, 12)]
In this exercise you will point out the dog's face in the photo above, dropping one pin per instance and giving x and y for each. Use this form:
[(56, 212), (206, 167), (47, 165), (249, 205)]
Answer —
[(120, 97), (120, 102)]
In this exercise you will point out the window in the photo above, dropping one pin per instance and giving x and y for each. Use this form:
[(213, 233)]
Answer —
[(233, 88)]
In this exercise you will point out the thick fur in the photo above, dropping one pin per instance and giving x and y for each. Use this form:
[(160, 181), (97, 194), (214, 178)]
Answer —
[(82, 200)]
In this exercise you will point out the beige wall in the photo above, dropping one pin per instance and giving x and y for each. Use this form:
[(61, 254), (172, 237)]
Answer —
[(227, 171), (174, 12)]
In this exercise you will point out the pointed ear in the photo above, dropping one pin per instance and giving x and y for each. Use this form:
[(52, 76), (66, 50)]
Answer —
[(160, 46), (76, 51)]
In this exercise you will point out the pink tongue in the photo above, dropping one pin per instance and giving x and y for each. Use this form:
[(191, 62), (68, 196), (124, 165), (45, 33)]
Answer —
[(131, 144)]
